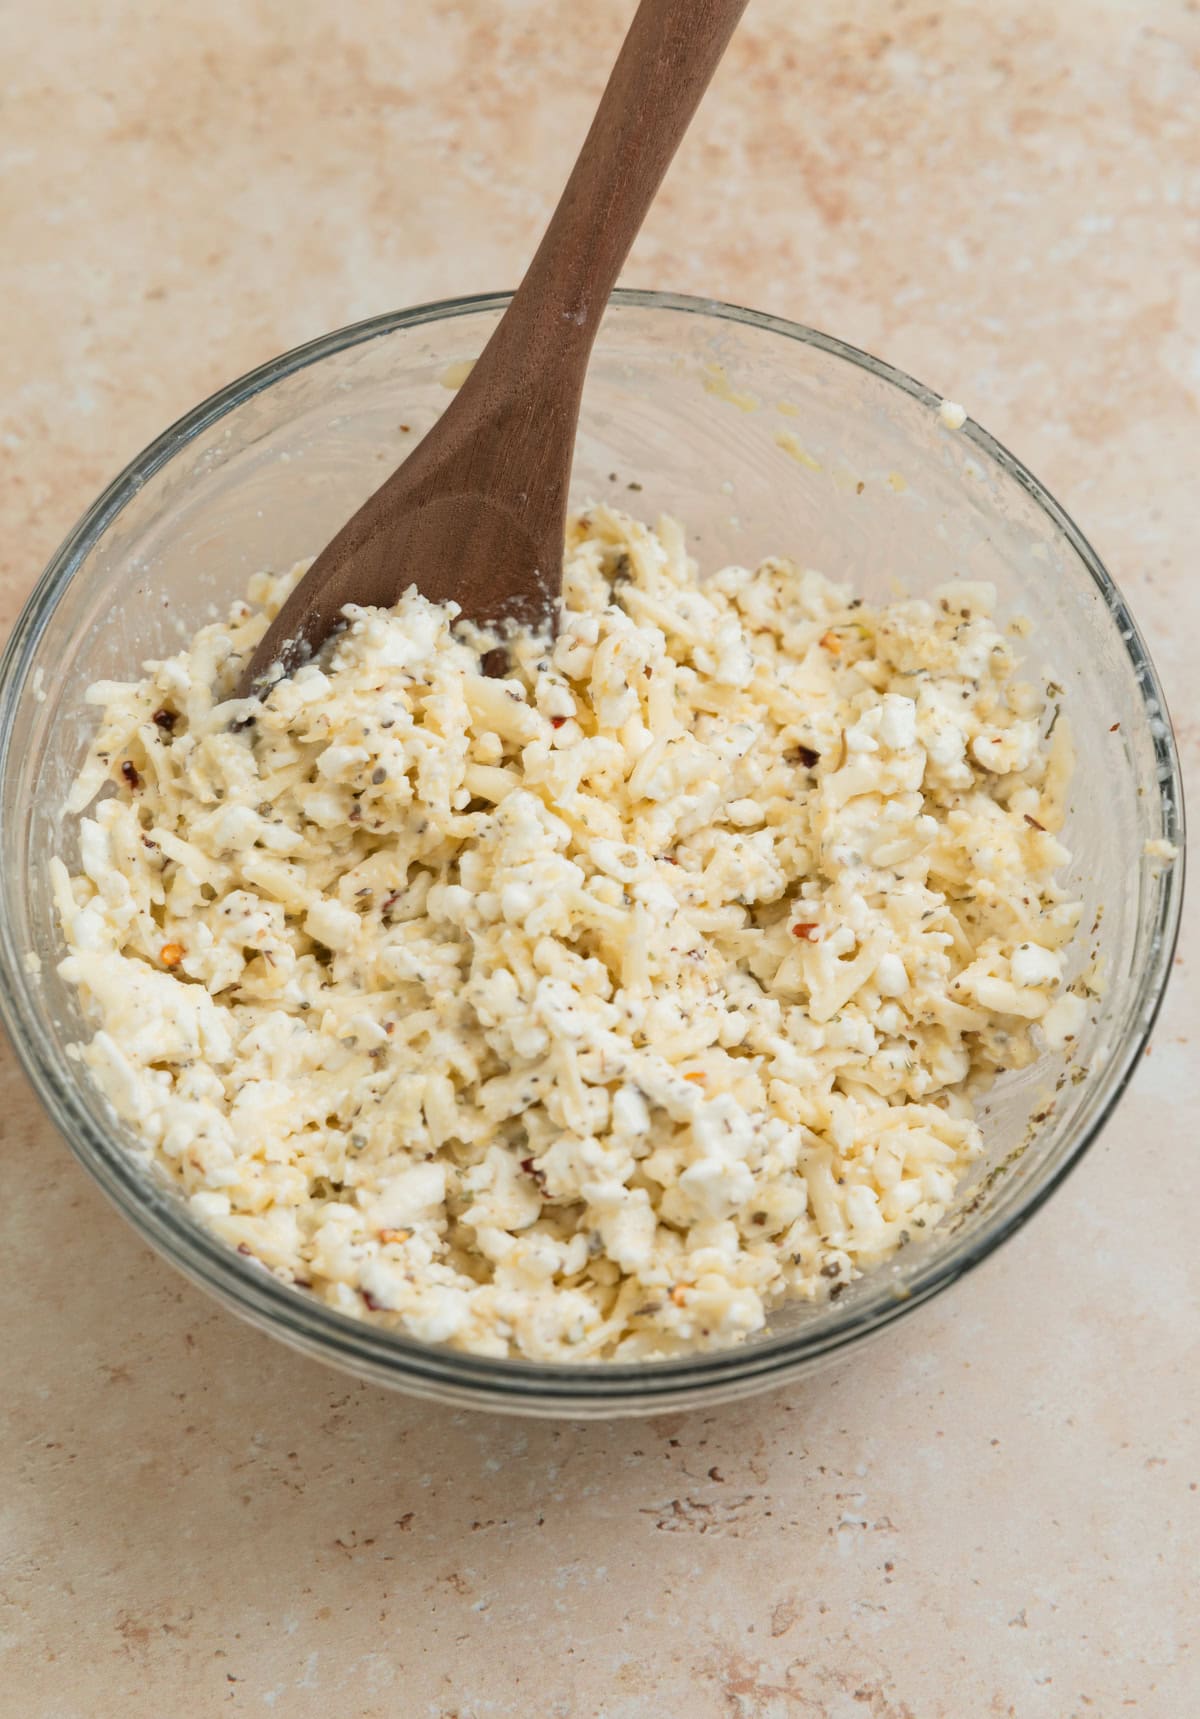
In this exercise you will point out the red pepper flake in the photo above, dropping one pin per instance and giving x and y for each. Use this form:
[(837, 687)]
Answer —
[(129, 771), (1033, 823), (809, 931), (557, 721), (165, 719), (1114, 728), (531, 1169), (243, 1249), (388, 903), (375, 1306)]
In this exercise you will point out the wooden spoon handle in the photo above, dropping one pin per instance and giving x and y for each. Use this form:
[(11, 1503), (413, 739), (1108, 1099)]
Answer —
[(665, 65)]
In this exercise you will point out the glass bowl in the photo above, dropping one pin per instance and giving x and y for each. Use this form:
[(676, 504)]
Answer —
[(762, 437)]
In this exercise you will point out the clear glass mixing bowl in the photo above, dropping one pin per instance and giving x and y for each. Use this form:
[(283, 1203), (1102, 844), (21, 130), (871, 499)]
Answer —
[(763, 437)]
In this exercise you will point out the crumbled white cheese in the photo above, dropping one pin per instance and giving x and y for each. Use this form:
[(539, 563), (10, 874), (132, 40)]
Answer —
[(1031, 965), (890, 978), (952, 414), (592, 1011), (1062, 1020)]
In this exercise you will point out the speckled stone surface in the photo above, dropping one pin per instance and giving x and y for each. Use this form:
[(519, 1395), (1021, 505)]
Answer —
[(996, 1511)]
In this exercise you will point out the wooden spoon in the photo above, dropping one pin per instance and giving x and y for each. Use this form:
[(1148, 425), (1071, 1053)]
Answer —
[(477, 512)]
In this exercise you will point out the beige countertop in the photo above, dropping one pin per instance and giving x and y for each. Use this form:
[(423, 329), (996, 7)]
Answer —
[(995, 1512)]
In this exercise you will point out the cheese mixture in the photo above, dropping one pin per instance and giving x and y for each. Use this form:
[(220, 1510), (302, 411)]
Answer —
[(590, 1012)]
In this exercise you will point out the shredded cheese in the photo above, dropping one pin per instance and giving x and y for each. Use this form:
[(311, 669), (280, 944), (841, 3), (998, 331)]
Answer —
[(592, 1011)]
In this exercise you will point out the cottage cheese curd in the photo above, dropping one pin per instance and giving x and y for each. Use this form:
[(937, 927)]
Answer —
[(589, 1012)]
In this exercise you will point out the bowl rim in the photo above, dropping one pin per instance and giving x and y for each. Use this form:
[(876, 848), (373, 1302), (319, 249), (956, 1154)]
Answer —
[(387, 1355)]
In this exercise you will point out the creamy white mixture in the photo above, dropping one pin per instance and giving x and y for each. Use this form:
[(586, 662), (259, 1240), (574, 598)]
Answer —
[(589, 1012)]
